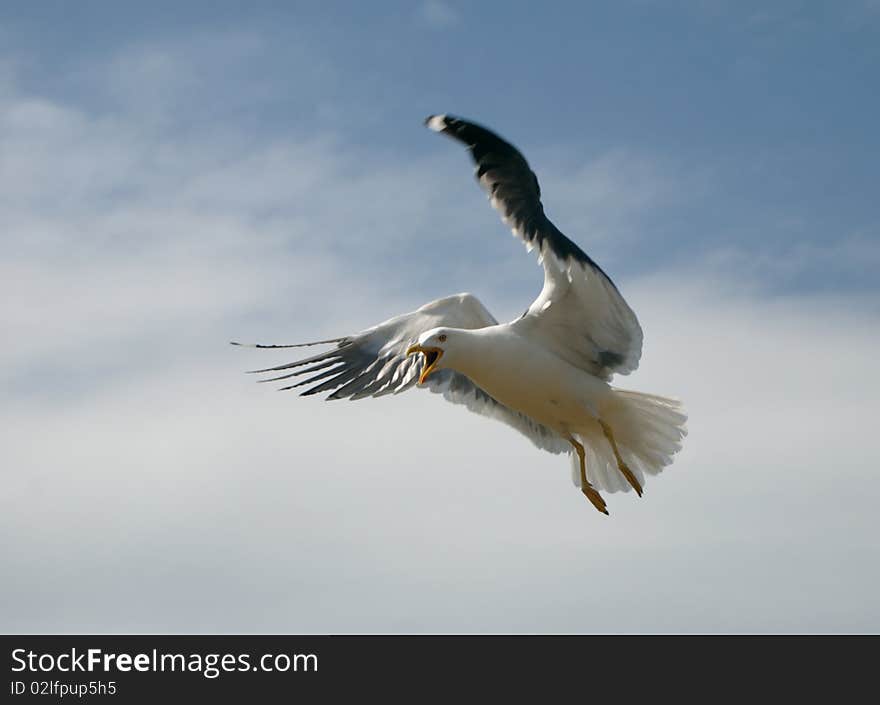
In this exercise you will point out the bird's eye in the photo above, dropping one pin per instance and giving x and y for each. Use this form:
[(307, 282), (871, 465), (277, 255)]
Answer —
[(442, 337)]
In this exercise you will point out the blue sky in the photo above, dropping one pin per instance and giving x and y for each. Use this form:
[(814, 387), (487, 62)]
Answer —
[(177, 176), (771, 111)]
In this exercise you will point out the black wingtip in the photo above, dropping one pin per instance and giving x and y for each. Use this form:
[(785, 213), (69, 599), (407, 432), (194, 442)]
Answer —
[(263, 346)]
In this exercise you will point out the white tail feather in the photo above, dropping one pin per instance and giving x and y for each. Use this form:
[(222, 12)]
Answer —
[(648, 430)]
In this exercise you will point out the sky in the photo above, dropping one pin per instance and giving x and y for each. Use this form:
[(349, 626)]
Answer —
[(176, 176)]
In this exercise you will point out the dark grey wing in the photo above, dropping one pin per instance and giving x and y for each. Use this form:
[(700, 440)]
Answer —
[(580, 314), (512, 186)]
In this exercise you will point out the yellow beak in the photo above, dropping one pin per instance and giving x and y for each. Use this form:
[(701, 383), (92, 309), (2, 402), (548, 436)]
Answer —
[(432, 355)]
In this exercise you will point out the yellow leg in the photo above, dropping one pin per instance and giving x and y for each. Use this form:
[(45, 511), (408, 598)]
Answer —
[(586, 487), (622, 466)]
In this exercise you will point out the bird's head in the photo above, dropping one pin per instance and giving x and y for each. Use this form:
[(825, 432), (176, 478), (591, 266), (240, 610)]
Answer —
[(433, 344)]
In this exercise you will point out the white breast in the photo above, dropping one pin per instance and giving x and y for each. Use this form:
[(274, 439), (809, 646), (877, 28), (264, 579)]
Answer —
[(530, 379)]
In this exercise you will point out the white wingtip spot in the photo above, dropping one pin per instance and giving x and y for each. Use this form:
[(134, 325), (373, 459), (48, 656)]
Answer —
[(436, 123)]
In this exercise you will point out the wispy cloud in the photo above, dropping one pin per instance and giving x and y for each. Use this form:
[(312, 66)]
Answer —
[(139, 462), (774, 478)]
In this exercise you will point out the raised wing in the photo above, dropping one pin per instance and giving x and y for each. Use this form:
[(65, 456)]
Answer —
[(579, 314), (374, 362)]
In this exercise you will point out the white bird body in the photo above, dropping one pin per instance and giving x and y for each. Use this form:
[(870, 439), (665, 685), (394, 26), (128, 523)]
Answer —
[(620, 430), (546, 374), (527, 377)]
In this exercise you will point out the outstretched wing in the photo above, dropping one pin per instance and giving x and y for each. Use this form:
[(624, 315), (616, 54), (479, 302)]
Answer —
[(579, 314), (374, 362)]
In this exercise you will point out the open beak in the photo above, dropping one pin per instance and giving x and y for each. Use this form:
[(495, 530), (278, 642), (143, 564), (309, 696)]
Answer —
[(431, 357)]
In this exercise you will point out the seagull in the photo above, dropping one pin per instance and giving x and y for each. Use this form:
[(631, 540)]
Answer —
[(547, 374)]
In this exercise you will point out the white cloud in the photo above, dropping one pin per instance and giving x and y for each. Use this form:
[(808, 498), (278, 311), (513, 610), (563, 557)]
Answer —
[(149, 486), (407, 514)]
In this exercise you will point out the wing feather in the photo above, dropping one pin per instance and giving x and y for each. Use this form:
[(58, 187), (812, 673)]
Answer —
[(579, 314), (374, 363)]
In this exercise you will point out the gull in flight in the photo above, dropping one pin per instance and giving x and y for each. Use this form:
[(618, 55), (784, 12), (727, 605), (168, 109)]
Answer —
[(546, 374)]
